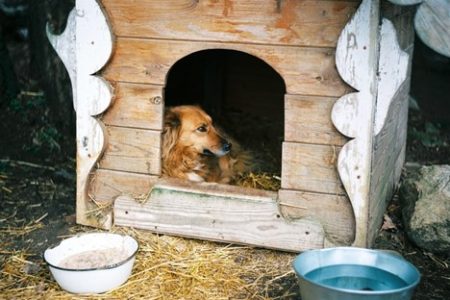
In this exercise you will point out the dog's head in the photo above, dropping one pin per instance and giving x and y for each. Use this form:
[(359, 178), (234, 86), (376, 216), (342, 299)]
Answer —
[(190, 126)]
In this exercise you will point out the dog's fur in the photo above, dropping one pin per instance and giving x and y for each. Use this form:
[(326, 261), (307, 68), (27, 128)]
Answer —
[(194, 149)]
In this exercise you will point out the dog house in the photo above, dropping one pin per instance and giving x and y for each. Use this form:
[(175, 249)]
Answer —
[(345, 68)]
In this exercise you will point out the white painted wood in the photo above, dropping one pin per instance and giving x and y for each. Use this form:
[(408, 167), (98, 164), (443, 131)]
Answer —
[(390, 142), (353, 114), (393, 68), (405, 2), (355, 51), (94, 48), (94, 38), (205, 211), (65, 45), (432, 23), (85, 47), (388, 158)]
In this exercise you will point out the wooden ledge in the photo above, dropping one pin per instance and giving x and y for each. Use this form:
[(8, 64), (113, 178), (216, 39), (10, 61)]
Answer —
[(219, 213)]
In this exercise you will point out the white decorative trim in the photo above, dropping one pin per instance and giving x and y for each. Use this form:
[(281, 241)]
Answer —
[(85, 47), (353, 114), (432, 23), (406, 2), (393, 69), (65, 45)]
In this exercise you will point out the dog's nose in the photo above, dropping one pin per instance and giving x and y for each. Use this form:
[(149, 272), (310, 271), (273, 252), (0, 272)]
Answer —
[(226, 147)]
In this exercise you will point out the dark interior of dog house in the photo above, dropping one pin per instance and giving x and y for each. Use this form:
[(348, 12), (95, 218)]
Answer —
[(243, 94)]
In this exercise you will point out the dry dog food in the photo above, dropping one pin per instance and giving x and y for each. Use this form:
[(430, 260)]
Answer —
[(94, 259)]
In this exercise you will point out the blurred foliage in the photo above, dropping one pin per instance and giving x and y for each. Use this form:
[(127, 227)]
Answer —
[(25, 105), (31, 110), (46, 137), (430, 135)]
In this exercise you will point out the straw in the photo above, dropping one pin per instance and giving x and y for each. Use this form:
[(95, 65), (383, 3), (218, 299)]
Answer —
[(165, 268), (263, 181)]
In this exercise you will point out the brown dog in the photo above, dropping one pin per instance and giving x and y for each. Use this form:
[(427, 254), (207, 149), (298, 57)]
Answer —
[(193, 149)]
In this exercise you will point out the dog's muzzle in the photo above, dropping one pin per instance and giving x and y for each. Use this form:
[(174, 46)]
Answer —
[(226, 147)]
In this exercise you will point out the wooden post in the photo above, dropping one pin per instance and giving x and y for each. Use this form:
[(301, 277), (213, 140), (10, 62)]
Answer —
[(85, 51)]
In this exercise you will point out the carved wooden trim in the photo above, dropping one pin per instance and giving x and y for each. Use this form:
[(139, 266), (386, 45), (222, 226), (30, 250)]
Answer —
[(392, 70), (353, 114), (371, 61), (432, 23), (84, 52)]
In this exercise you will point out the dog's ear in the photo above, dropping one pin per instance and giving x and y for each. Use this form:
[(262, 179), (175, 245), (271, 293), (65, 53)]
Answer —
[(171, 119), (170, 132)]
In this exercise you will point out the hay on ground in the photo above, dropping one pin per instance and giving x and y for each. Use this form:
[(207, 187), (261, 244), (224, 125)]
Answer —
[(165, 268)]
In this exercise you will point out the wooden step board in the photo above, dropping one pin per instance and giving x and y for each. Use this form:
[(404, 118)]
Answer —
[(219, 213)]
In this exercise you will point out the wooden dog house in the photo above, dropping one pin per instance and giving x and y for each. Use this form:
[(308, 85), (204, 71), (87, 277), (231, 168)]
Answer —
[(345, 69)]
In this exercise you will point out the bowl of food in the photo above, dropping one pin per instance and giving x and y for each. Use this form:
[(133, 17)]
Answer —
[(351, 273), (92, 262)]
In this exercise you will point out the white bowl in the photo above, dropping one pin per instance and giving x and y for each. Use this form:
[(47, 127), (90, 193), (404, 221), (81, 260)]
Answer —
[(92, 262)]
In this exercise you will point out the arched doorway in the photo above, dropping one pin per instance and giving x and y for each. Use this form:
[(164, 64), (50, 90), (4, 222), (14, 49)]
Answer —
[(242, 93)]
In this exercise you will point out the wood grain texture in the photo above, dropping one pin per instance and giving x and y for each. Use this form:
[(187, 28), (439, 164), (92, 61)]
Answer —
[(106, 185), (402, 17), (353, 114), (307, 71), (389, 143), (132, 150), (136, 105), (309, 167), (334, 212), (307, 119), (288, 22), (383, 190), (406, 2), (227, 217), (432, 23), (392, 69), (388, 159), (86, 52)]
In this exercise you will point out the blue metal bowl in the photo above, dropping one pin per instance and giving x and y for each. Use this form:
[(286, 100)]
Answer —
[(347, 273)]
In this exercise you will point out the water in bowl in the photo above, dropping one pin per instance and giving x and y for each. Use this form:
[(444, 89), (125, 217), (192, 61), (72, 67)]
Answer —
[(356, 277)]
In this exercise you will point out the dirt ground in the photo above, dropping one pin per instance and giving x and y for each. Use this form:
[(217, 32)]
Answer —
[(37, 200), (37, 195)]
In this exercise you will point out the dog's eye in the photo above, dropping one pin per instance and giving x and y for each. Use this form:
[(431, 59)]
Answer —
[(201, 129)]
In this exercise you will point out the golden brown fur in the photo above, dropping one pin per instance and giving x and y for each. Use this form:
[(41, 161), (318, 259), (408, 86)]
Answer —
[(194, 149)]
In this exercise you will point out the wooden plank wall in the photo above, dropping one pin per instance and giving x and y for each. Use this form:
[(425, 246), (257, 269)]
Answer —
[(310, 185), (108, 184), (314, 23), (306, 70), (296, 37), (389, 145), (131, 162)]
